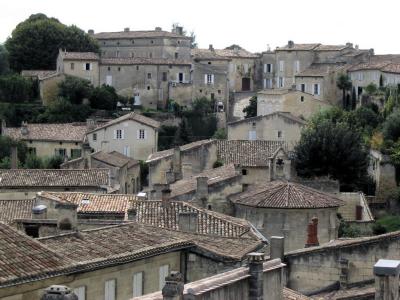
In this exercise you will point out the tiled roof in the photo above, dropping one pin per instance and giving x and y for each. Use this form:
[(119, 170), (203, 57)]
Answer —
[(40, 74), (108, 242), (144, 61), (22, 258), (15, 209), (352, 293), (138, 34), (207, 54), (166, 215), (392, 68), (287, 195), (68, 132), (53, 178), (114, 158), (93, 203), (247, 153), (331, 47), (318, 70), (289, 294), (285, 115), (131, 116), (299, 47), (369, 66), (81, 56), (216, 175), (239, 53), (166, 153)]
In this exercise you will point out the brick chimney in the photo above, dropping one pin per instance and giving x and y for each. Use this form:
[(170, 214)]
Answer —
[(387, 279), (90, 32), (312, 233), (14, 157), (58, 292), (256, 291), (187, 221), (173, 288)]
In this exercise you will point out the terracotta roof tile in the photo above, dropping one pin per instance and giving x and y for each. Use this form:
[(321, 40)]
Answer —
[(298, 47), (287, 195), (138, 34), (69, 132), (143, 61), (331, 47), (289, 294), (53, 178), (15, 209), (392, 68), (368, 66), (240, 53), (81, 56), (318, 70), (114, 158), (200, 54)]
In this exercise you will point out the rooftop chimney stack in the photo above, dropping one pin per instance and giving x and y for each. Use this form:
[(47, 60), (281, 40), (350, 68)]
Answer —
[(158, 29), (210, 47), (349, 45), (158, 188), (177, 163), (187, 221), (165, 196), (256, 291), (387, 279), (202, 188), (126, 29), (312, 233), (58, 292), (277, 247), (179, 30), (39, 212), (290, 44), (173, 288)]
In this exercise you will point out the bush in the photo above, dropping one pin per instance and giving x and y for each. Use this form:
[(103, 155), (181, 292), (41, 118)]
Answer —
[(251, 109), (104, 97), (144, 174), (33, 162), (387, 223), (75, 89), (218, 164), (53, 162), (15, 88), (63, 111), (220, 134), (167, 137), (391, 127)]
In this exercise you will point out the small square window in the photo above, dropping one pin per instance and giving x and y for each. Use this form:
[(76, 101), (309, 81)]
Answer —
[(72, 66), (200, 91), (109, 68), (141, 134), (87, 66), (244, 172), (150, 55), (94, 136), (148, 88), (119, 134), (137, 68), (279, 134), (133, 41), (176, 55), (152, 41), (219, 91), (164, 76), (119, 68), (302, 98), (209, 62), (148, 75)]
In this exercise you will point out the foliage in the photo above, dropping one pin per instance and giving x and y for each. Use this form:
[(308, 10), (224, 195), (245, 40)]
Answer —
[(33, 162), (35, 42), (53, 162), (387, 223), (218, 164), (192, 35), (371, 88), (75, 89), (144, 173), (166, 137), (365, 118), (5, 163), (335, 150), (343, 82), (220, 134), (14, 114), (63, 111), (15, 88), (251, 109), (4, 67), (104, 97), (391, 127), (376, 140), (5, 148), (392, 100)]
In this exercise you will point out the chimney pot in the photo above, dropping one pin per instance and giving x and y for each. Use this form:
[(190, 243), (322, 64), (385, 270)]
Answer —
[(256, 282), (290, 44), (14, 157), (158, 29), (387, 279), (277, 247), (201, 188), (312, 233), (126, 29), (210, 47), (173, 288)]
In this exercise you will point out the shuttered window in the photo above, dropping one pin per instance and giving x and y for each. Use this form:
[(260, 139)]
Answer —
[(80, 292), (163, 273), (109, 289), (138, 284)]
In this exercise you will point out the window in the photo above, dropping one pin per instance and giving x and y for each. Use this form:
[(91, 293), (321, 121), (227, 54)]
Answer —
[(109, 80), (152, 41), (119, 68), (119, 134), (209, 78), (302, 98), (219, 92), (80, 292), (88, 66), (141, 134), (164, 270), (209, 207), (244, 172), (137, 68), (31, 150), (252, 135), (209, 62), (148, 88), (296, 66), (281, 65), (150, 55), (316, 89), (117, 54), (132, 54), (76, 153), (138, 284), (281, 82), (94, 137), (164, 76), (246, 68), (181, 77), (200, 90), (133, 41), (61, 152), (269, 68), (72, 66), (148, 75), (108, 68), (127, 151), (176, 55), (109, 289), (279, 134), (303, 87)]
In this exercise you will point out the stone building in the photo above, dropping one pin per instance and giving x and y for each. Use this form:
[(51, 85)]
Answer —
[(48, 140), (133, 135), (277, 126), (285, 209)]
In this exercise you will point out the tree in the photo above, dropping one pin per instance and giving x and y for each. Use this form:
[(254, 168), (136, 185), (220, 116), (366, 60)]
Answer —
[(33, 162), (335, 150), (251, 109), (104, 97), (63, 111), (371, 88), (75, 89), (166, 137), (35, 42), (391, 127), (220, 134), (4, 67), (5, 148), (15, 88), (344, 83)]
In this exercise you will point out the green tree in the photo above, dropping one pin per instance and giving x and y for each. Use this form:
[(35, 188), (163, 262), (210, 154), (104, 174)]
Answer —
[(75, 89), (4, 67), (251, 109), (53, 162), (166, 137), (33, 162), (220, 134), (35, 42), (391, 127), (104, 97), (333, 150), (343, 82), (371, 88), (15, 88), (5, 148), (63, 111)]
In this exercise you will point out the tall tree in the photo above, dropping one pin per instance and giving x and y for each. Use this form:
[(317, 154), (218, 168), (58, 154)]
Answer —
[(344, 83), (35, 42), (251, 109), (3, 60)]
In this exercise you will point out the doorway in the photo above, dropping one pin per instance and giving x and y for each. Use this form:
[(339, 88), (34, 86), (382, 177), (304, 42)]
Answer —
[(245, 84)]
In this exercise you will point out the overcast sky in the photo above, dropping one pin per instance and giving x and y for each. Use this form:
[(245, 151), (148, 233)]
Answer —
[(253, 24)]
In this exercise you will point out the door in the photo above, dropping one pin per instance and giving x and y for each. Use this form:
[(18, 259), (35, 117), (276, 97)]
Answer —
[(137, 99), (109, 80), (245, 84)]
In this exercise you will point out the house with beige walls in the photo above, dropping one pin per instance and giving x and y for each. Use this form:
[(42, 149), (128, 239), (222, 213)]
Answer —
[(133, 135), (277, 126)]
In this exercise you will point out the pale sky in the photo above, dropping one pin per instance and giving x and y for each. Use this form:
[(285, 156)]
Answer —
[(253, 24)]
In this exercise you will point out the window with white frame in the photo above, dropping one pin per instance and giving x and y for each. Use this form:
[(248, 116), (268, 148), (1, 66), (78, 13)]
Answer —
[(80, 292), (141, 134), (127, 150), (252, 135), (317, 89), (164, 270), (281, 65), (303, 87), (119, 134), (109, 289), (296, 66), (209, 78), (87, 66), (269, 68), (138, 284)]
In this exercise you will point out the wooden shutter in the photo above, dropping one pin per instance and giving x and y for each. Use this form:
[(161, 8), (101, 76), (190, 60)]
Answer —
[(145, 134), (205, 78), (109, 289), (138, 284), (122, 134), (265, 68), (163, 273), (272, 68), (115, 134), (212, 78), (84, 66), (80, 292), (138, 134)]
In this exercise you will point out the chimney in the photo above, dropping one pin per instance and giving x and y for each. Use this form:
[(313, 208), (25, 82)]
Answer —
[(277, 247), (173, 288), (312, 233), (236, 49), (58, 292), (14, 157), (158, 29), (90, 124), (86, 152), (349, 45), (179, 30), (187, 170), (158, 188), (126, 29), (187, 221), (290, 44), (39, 212), (387, 279), (210, 47), (202, 188), (24, 128), (90, 32), (132, 214), (176, 163), (165, 197), (256, 282), (170, 176)]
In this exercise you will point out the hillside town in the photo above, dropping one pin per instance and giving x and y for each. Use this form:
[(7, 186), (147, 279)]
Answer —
[(135, 165)]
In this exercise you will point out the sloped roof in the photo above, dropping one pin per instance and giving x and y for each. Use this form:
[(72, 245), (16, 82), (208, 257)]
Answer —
[(247, 153), (207, 54), (143, 61), (40, 74), (215, 175), (114, 158), (318, 70), (285, 115), (133, 117), (238, 53), (80, 56), (22, 258), (138, 34), (331, 47), (299, 47), (289, 294), (68, 132), (373, 65), (93, 203), (15, 209), (392, 68), (53, 178), (286, 195)]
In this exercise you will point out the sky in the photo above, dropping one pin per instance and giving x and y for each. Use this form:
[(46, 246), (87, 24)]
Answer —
[(252, 24)]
